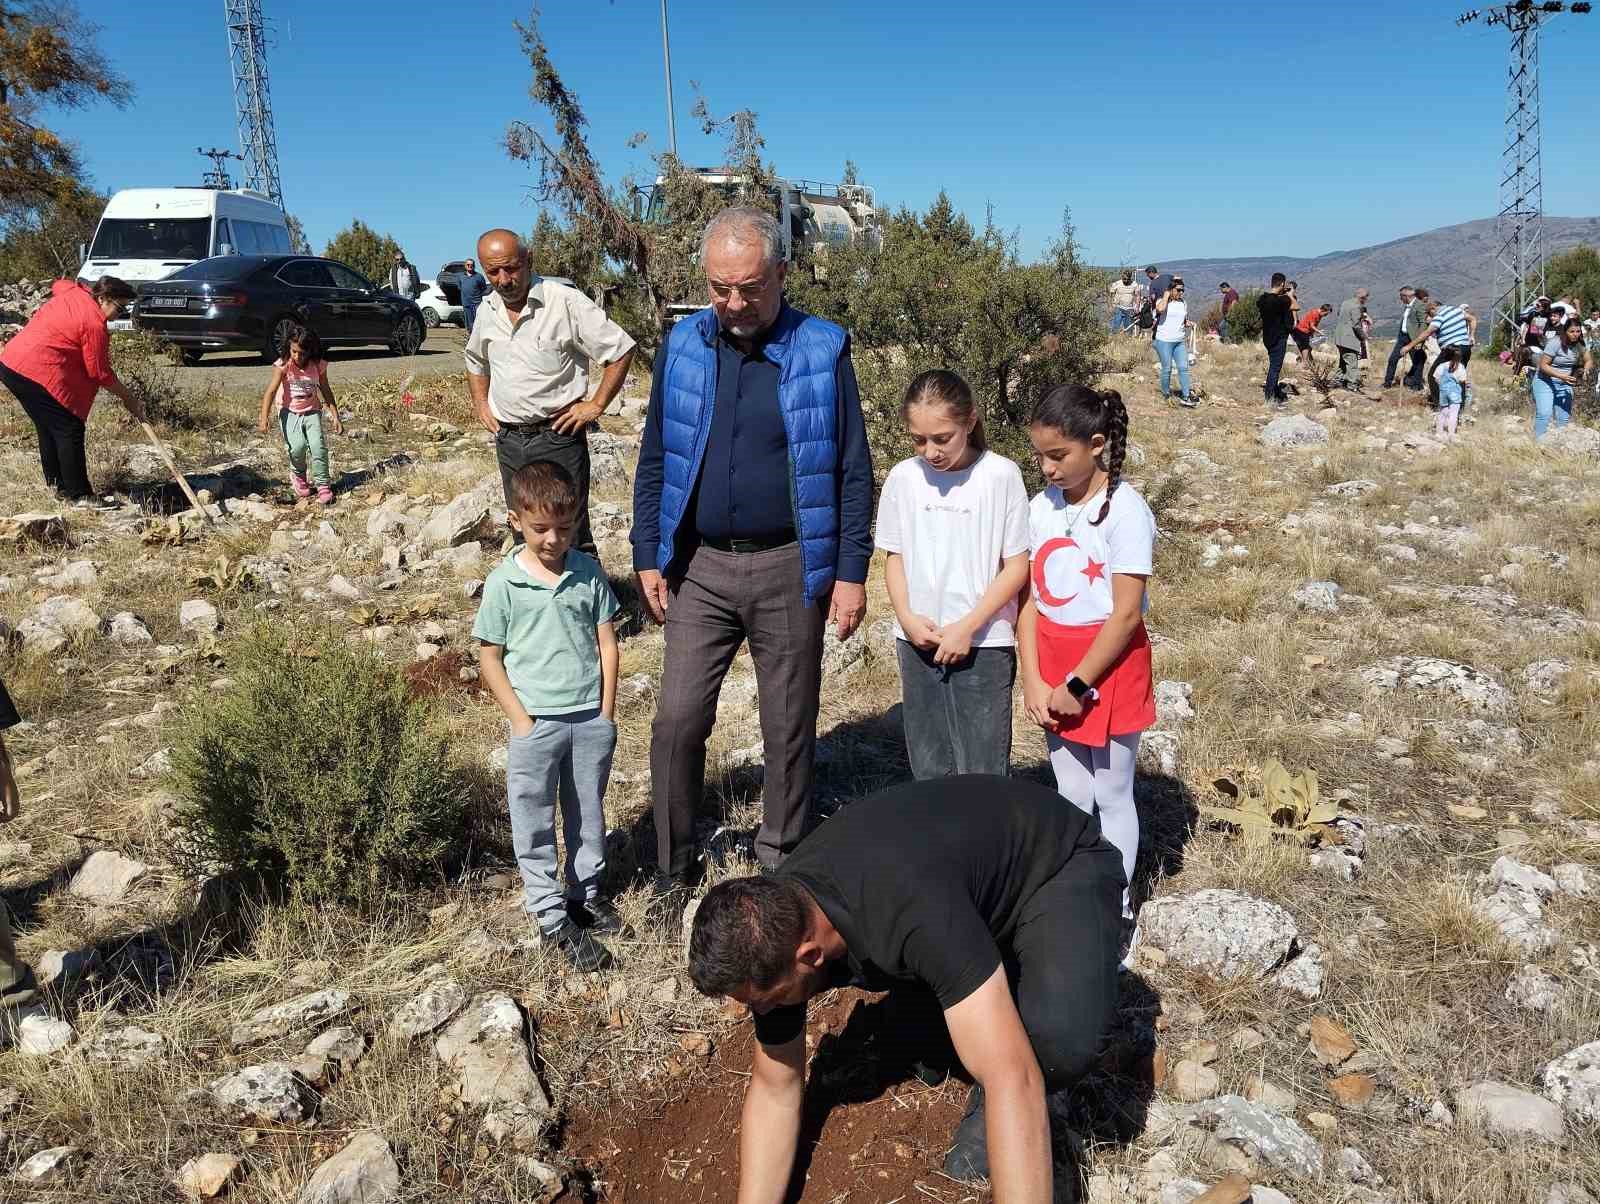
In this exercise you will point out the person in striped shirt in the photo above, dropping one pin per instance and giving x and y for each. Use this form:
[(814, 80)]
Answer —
[(1453, 326)]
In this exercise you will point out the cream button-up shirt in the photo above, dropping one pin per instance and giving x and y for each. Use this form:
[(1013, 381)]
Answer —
[(539, 366)]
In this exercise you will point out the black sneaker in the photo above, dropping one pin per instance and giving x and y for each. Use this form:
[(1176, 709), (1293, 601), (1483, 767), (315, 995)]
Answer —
[(968, 1159), (597, 917), (582, 952)]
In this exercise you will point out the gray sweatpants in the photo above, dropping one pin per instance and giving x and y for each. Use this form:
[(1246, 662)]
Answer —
[(565, 756), (957, 718)]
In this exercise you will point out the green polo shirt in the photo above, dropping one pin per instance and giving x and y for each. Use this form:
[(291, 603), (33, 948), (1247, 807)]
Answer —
[(548, 632)]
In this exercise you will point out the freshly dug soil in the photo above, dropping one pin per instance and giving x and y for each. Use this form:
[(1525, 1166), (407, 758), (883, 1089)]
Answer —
[(439, 676), (871, 1133)]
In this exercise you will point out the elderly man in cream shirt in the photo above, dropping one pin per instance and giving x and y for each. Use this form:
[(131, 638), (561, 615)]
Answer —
[(528, 361)]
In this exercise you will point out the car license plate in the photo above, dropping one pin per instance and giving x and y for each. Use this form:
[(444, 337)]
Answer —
[(167, 302), (120, 324)]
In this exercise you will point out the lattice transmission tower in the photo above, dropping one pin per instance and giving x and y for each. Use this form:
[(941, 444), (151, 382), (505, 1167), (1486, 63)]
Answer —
[(1519, 223), (252, 98)]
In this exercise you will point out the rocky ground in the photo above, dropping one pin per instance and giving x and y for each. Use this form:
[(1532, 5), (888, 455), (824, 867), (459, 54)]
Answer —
[(1397, 1002)]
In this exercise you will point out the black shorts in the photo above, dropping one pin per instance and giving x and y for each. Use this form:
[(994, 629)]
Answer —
[(1301, 340)]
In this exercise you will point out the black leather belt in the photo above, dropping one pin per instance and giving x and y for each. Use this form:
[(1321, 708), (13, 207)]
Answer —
[(761, 543)]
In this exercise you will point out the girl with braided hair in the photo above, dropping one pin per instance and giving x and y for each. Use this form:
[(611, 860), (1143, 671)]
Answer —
[(1081, 640)]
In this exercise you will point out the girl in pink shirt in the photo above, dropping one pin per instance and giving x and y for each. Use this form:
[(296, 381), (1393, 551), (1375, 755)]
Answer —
[(300, 381)]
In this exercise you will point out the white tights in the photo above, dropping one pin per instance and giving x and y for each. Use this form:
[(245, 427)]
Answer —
[(1100, 780)]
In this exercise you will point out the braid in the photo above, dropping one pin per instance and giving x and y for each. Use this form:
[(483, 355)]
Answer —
[(1116, 449)]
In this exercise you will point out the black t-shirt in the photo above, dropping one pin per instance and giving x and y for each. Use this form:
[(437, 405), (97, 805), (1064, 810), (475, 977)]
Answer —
[(8, 711), (1276, 317), (924, 882)]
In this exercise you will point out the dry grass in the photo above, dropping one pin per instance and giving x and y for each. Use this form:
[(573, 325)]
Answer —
[(1412, 973)]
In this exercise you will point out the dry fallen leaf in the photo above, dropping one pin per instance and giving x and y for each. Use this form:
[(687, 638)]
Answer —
[(1353, 1091), (1330, 1043), (1233, 1188), (1467, 812)]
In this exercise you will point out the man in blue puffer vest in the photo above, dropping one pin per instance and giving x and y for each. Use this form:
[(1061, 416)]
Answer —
[(752, 519)]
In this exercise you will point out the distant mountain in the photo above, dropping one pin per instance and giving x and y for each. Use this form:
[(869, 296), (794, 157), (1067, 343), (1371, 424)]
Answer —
[(1454, 263)]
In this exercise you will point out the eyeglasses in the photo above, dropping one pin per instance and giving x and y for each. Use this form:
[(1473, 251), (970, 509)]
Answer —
[(750, 292)]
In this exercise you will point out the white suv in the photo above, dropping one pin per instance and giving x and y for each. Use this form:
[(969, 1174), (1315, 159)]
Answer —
[(436, 307)]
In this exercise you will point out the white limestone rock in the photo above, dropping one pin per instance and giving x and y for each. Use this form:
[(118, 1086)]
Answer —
[(1275, 1140), (269, 1093), (1534, 989), (1573, 1082), (1319, 596), (128, 629), (129, 1045), (106, 877), (1434, 675), (199, 617), (311, 1010), (485, 1045), (1510, 1114), (1294, 430), (427, 1011), (363, 1172), (1225, 932)]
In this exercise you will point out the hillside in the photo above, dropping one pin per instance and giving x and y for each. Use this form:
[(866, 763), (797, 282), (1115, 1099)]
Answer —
[(1406, 1014), (1455, 263)]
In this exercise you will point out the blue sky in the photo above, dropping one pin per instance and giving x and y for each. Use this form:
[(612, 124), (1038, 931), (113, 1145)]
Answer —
[(1170, 130)]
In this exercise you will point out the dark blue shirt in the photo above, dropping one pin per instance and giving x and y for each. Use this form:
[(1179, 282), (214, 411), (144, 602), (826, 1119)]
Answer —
[(744, 487), (473, 289)]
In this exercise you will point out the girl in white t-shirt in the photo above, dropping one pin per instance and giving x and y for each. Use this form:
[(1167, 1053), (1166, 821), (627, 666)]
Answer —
[(1085, 654), (954, 522)]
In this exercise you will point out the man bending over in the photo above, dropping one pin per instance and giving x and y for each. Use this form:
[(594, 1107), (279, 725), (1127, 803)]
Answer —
[(993, 893)]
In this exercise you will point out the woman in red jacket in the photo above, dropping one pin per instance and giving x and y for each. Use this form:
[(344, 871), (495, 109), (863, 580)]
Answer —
[(57, 365)]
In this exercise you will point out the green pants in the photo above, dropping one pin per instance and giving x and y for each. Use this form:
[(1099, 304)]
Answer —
[(303, 434), (16, 980)]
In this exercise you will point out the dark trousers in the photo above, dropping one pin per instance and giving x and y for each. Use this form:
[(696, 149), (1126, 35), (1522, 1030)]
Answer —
[(1275, 366), (61, 436), (1061, 963), (518, 446), (1413, 377), (723, 599), (957, 718), (1433, 385), (469, 315), (16, 979)]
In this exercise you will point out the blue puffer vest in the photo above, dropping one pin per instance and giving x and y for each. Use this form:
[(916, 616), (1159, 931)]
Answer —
[(807, 351)]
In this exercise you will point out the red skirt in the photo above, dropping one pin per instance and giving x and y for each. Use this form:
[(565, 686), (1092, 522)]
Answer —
[(1127, 701)]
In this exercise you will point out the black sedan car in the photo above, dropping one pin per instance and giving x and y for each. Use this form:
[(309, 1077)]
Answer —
[(247, 302)]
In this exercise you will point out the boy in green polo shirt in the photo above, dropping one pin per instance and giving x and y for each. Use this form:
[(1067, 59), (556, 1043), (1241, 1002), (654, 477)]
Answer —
[(548, 654)]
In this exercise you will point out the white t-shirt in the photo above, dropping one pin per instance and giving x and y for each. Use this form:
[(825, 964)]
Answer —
[(952, 530), (1073, 559), (1170, 329)]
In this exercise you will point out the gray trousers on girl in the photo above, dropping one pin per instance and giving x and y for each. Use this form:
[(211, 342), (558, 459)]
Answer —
[(565, 756), (957, 717)]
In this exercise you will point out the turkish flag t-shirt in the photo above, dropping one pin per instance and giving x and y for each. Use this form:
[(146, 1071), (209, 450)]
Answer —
[(1072, 558)]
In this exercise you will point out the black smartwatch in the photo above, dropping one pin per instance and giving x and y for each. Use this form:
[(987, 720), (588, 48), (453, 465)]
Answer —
[(1079, 688)]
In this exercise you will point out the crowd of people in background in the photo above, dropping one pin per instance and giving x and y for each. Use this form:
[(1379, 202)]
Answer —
[(1555, 347)]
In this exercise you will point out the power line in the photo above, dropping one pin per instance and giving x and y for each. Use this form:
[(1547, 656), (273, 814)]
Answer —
[(1519, 222)]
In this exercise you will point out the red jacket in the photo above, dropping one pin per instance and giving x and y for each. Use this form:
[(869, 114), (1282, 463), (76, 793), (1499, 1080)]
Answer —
[(65, 348)]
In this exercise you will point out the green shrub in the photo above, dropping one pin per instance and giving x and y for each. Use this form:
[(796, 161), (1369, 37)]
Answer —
[(145, 365), (1244, 318), (319, 771)]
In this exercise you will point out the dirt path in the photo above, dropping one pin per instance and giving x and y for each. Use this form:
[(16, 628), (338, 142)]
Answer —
[(241, 371), (869, 1133)]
